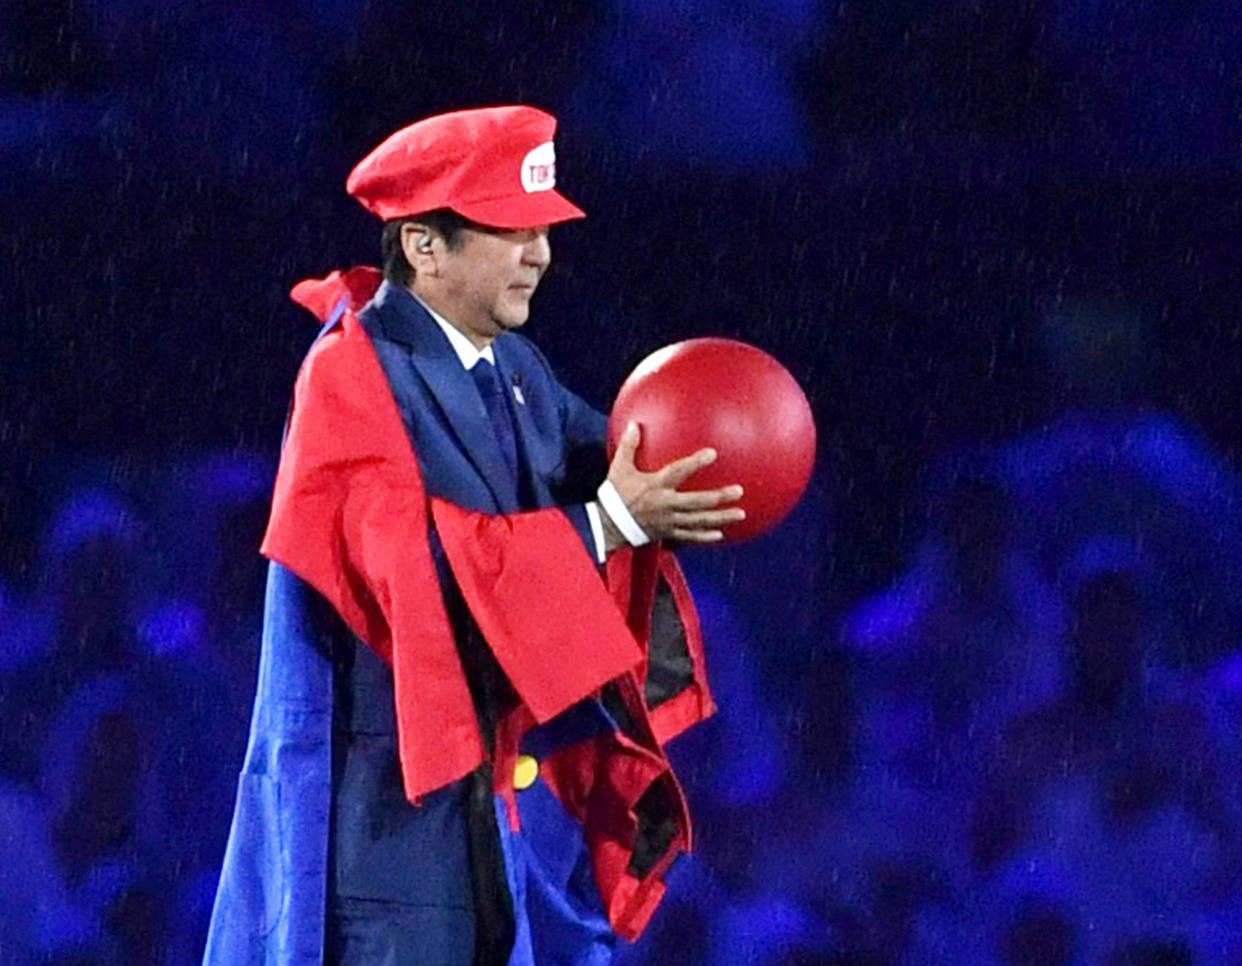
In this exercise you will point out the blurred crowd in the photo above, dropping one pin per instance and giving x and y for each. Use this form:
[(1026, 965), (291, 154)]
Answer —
[(1042, 729), (127, 668)]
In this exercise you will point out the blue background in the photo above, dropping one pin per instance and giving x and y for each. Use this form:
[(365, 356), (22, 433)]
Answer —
[(980, 694)]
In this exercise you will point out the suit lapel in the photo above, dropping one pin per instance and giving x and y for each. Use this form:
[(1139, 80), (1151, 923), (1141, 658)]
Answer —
[(404, 320), (511, 376)]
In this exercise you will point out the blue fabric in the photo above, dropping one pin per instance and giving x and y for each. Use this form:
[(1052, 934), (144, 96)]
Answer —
[(456, 445), (270, 905), (493, 394), (583, 721), (366, 933), (560, 916), (374, 829)]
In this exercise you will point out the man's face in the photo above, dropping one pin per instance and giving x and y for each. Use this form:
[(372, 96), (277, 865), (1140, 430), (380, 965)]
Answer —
[(485, 283)]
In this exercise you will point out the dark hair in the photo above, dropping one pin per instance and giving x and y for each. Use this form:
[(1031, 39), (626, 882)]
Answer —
[(443, 221)]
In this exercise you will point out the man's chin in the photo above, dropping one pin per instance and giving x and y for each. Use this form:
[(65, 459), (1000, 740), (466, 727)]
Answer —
[(512, 319)]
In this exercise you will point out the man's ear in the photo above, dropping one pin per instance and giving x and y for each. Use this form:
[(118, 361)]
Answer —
[(419, 245)]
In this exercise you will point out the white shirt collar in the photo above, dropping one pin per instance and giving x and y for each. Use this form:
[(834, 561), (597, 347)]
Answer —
[(464, 348)]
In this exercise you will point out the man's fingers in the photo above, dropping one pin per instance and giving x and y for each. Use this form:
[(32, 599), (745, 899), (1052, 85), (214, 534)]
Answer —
[(627, 445), (680, 501), (672, 474), (706, 519), (697, 536)]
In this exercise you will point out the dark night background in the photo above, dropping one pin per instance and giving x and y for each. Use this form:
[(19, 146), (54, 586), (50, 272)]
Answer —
[(995, 242)]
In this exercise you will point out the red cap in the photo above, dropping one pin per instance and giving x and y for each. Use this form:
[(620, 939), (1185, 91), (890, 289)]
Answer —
[(493, 165)]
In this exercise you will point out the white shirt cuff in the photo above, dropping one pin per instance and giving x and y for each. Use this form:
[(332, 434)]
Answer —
[(597, 532), (620, 515)]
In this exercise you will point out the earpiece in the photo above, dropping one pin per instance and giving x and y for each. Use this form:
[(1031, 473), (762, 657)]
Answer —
[(424, 244)]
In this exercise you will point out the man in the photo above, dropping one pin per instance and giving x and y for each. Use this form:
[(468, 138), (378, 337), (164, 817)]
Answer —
[(455, 755)]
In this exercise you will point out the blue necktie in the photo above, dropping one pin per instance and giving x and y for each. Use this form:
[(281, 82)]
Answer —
[(487, 379)]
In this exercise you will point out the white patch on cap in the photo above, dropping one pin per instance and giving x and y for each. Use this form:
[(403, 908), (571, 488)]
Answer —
[(539, 168)]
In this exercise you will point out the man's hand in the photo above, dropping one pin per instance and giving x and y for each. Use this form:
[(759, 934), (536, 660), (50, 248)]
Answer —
[(663, 511)]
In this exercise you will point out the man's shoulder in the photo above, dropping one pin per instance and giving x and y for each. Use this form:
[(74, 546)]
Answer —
[(371, 316)]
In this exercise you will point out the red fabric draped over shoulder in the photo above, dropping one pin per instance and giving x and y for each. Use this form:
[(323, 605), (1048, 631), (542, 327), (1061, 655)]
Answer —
[(350, 516)]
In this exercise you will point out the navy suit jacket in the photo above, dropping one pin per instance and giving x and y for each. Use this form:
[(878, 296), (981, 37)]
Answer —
[(559, 436)]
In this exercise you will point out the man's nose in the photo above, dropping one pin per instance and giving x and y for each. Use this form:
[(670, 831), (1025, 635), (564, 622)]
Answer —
[(538, 250)]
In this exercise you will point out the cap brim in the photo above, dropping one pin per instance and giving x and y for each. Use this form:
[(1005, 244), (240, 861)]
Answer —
[(521, 211)]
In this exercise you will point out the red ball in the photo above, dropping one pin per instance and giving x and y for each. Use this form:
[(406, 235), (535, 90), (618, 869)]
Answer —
[(735, 398)]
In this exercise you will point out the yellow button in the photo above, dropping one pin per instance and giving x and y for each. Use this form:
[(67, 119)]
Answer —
[(525, 772)]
